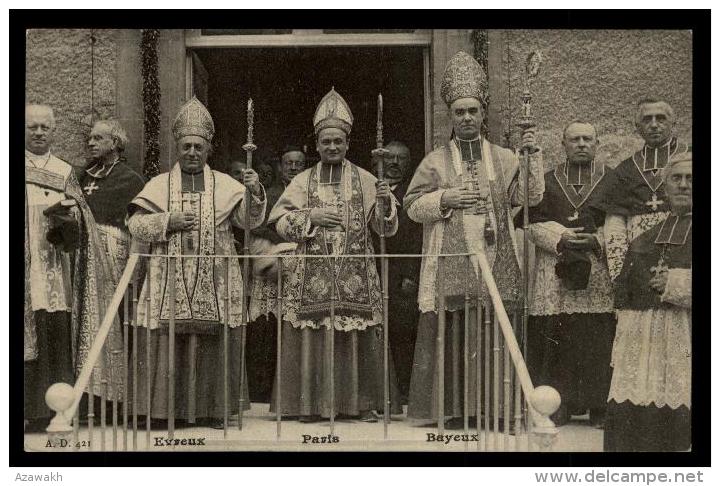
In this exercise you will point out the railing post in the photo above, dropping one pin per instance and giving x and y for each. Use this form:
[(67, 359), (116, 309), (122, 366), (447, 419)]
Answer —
[(244, 319), (517, 390), (126, 361), (487, 377), (330, 345), (148, 352), (226, 360), (171, 349), (440, 348), (91, 408), (134, 323), (278, 360), (466, 361), (478, 368), (386, 338)]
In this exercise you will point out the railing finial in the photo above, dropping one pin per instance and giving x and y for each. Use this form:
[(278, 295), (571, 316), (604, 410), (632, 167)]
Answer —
[(59, 397), (546, 401)]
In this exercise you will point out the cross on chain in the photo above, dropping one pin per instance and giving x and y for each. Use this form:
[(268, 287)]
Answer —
[(90, 188), (661, 267), (654, 202)]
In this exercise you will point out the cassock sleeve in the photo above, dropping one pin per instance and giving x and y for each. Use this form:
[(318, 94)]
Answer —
[(424, 194), (616, 244), (149, 227), (536, 181), (678, 289), (257, 210)]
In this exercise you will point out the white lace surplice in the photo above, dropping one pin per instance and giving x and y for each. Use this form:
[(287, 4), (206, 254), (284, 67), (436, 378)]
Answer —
[(651, 358), (50, 281), (550, 297)]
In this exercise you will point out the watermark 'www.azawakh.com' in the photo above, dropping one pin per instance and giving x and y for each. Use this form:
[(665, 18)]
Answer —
[(608, 476)]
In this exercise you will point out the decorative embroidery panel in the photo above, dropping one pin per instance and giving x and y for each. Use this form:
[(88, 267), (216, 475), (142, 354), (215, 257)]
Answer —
[(352, 287), (158, 273), (200, 302), (294, 225)]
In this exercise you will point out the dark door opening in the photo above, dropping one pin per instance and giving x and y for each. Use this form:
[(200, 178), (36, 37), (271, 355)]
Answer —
[(286, 85)]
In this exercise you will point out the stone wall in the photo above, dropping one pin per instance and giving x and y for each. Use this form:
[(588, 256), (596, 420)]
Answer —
[(594, 75), (59, 73)]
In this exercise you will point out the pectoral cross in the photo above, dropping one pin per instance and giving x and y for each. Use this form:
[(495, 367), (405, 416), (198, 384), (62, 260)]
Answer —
[(661, 267), (574, 217), (90, 188), (191, 202), (654, 202), (473, 184)]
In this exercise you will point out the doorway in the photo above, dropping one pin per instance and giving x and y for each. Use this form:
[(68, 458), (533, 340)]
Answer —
[(286, 85)]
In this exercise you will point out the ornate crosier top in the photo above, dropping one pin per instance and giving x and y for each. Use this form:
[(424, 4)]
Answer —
[(250, 120), (379, 122)]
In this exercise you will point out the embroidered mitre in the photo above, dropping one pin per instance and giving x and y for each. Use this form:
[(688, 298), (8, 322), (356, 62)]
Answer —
[(333, 112), (193, 119), (463, 78)]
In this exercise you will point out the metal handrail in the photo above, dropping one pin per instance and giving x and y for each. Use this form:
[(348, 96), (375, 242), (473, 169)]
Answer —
[(540, 405)]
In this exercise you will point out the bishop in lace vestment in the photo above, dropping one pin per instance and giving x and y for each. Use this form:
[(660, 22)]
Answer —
[(633, 198), (572, 323), (67, 281), (462, 193), (330, 209), (191, 211), (649, 399)]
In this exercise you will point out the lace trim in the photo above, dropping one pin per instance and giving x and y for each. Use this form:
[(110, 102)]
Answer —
[(549, 296), (651, 358)]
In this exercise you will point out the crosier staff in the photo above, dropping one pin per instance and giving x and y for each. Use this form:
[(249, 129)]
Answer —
[(378, 155), (532, 67), (249, 148)]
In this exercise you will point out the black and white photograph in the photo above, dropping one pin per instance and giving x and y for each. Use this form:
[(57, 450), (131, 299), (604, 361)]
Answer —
[(459, 240)]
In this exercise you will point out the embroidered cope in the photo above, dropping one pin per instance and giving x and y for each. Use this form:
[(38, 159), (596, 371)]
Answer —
[(455, 231), (306, 289), (200, 283)]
